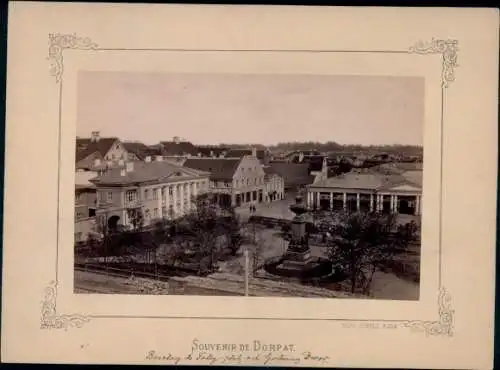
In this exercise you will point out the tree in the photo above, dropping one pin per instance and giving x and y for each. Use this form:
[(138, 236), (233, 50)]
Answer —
[(232, 229), (361, 243)]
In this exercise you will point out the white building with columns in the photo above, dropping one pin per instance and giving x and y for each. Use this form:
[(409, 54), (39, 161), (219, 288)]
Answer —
[(158, 188), (368, 191)]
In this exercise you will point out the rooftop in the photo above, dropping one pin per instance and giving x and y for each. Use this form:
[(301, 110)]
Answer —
[(366, 181), (161, 172), (88, 146), (220, 169)]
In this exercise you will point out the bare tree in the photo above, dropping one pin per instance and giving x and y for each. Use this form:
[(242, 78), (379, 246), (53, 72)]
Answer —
[(362, 243)]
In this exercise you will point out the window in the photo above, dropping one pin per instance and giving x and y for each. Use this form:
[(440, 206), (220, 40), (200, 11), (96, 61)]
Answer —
[(102, 196), (163, 192), (110, 196), (155, 212), (164, 211), (155, 194), (170, 190), (131, 195), (248, 181), (147, 214), (78, 197), (146, 194)]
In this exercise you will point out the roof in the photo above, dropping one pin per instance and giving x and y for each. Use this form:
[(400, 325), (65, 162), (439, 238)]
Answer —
[(293, 173), (270, 171), (207, 150), (140, 150), (219, 168), (86, 147), (142, 172), (178, 148), (366, 181), (238, 153)]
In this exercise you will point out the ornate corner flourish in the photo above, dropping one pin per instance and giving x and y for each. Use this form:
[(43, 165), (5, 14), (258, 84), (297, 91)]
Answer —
[(51, 320), (448, 48), (443, 326), (58, 43)]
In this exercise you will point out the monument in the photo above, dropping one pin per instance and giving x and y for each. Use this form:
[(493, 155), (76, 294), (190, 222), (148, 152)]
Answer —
[(297, 261), (298, 253)]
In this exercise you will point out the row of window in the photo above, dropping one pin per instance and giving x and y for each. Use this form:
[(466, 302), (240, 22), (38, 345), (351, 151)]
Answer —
[(237, 183), (131, 195)]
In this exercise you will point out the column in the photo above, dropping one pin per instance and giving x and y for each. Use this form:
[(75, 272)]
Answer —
[(160, 204), (357, 202), (371, 202), (189, 194), (396, 205), (392, 203), (344, 200), (417, 205), (331, 201), (175, 197), (317, 200)]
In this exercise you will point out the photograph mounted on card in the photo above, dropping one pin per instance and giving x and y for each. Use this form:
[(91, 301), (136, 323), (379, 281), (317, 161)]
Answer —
[(200, 185)]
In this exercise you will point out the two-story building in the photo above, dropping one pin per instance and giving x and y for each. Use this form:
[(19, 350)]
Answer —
[(275, 185), (158, 189), (235, 181)]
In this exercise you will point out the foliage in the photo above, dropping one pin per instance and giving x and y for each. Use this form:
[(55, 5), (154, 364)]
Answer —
[(362, 243)]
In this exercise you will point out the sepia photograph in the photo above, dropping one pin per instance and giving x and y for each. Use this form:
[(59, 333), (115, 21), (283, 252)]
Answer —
[(248, 185)]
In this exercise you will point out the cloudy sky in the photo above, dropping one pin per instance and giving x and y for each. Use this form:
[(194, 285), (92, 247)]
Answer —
[(215, 108)]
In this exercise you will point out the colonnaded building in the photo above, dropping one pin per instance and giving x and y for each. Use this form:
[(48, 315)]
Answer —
[(395, 188)]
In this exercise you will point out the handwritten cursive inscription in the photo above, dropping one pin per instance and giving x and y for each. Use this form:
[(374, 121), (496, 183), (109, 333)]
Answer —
[(255, 352)]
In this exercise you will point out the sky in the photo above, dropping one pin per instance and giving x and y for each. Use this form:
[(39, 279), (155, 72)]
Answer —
[(251, 108)]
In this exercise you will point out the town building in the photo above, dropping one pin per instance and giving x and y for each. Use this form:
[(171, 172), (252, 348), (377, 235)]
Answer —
[(158, 189), (234, 181), (368, 191), (295, 175), (138, 151), (275, 185), (96, 147)]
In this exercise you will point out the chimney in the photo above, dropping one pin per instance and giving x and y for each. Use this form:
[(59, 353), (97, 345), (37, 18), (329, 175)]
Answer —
[(176, 139), (254, 152), (123, 172), (97, 162), (148, 159), (159, 158), (301, 157), (130, 167), (221, 155), (199, 154), (211, 153), (95, 136)]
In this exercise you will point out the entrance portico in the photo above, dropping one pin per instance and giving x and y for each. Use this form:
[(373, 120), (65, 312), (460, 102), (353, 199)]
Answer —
[(402, 197)]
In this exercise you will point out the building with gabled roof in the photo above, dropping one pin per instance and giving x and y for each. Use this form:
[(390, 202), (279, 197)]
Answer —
[(295, 175), (235, 181), (96, 147), (139, 152)]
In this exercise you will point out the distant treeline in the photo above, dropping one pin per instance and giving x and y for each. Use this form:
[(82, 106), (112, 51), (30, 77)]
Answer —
[(332, 146)]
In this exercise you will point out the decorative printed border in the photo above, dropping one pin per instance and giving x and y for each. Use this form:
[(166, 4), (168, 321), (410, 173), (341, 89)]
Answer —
[(50, 319)]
